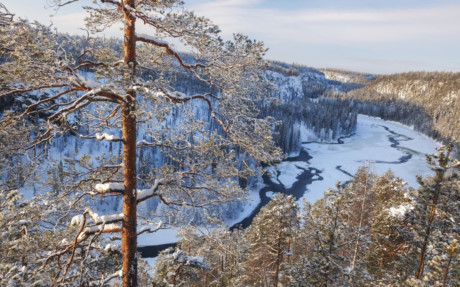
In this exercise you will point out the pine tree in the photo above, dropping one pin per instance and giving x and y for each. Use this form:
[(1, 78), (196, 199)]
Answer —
[(54, 90), (176, 268), (361, 210), (436, 207), (445, 267), (269, 239), (327, 241), (390, 231)]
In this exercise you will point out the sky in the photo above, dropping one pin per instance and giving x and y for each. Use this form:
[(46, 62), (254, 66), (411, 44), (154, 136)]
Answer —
[(387, 36)]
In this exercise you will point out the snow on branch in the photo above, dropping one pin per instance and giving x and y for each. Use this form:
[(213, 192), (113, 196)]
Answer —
[(106, 223), (144, 143), (107, 137), (88, 83), (97, 136), (103, 228), (150, 229), (143, 194), (110, 187), (118, 274), (105, 218), (400, 211)]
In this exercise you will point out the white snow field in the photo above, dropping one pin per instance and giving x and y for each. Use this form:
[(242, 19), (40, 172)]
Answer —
[(370, 146)]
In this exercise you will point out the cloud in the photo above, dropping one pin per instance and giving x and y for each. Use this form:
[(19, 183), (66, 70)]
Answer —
[(333, 26), (384, 40)]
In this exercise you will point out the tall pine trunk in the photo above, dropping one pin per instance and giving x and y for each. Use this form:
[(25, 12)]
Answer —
[(437, 192), (129, 227)]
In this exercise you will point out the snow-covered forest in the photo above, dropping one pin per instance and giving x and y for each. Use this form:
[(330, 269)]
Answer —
[(105, 140)]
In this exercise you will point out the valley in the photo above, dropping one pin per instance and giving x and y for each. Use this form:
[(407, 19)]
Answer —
[(377, 144)]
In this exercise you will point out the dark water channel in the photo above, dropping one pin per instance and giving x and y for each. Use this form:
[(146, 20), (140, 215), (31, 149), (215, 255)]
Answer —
[(297, 190)]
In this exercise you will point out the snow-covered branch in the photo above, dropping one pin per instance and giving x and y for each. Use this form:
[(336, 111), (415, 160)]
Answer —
[(150, 229), (110, 187), (143, 194), (105, 219), (118, 274), (107, 137)]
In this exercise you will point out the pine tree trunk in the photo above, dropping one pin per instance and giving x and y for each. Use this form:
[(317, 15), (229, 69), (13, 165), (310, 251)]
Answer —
[(129, 232), (361, 218), (129, 227), (278, 261), (421, 259), (446, 270)]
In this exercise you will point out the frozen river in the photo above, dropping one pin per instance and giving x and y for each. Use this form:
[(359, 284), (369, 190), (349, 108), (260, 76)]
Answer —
[(378, 144)]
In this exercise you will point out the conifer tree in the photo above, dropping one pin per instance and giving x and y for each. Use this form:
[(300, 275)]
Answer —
[(437, 201), (329, 240), (269, 239), (361, 210), (55, 91), (390, 231), (445, 267)]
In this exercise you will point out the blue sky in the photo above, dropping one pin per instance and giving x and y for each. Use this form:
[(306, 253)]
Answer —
[(387, 36)]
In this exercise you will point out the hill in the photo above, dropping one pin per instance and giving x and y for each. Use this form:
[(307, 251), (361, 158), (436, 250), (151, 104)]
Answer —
[(428, 101)]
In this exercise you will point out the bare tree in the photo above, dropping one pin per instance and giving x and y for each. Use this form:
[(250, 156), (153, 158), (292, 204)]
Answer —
[(127, 88)]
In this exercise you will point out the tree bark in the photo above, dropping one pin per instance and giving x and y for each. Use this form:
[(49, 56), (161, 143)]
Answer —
[(446, 270), (422, 256), (278, 260), (129, 227)]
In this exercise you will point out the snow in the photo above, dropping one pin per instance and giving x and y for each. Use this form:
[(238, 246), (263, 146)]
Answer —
[(150, 229), (273, 174), (165, 236), (145, 193), (22, 222), (179, 256), (97, 228), (249, 205), (151, 262), (76, 220), (111, 247), (400, 211), (109, 186), (370, 147), (105, 136), (153, 39), (120, 273), (88, 82), (307, 135), (110, 218)]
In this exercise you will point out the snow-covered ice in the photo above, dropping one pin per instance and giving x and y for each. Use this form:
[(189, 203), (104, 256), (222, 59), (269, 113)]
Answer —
[(370, 146)]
